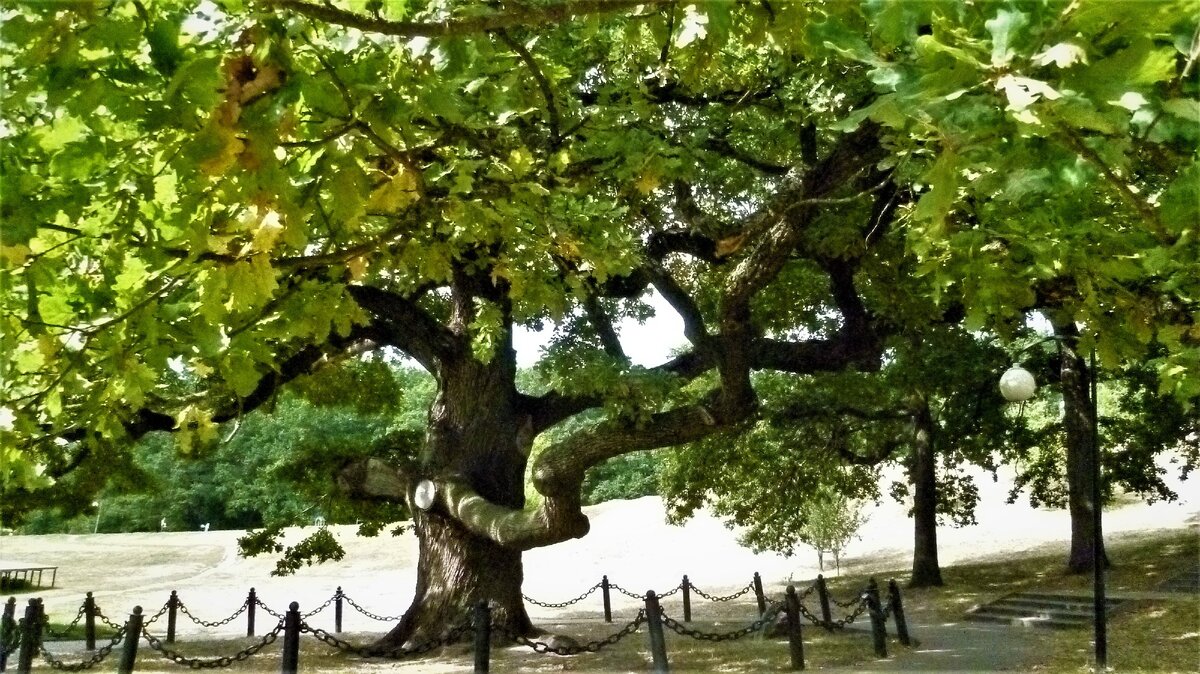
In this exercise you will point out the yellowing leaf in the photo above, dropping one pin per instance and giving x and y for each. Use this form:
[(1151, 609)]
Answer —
[(224, 146), (357, 266), (15, 255), (266, 233), (395, 194), (648, 182)]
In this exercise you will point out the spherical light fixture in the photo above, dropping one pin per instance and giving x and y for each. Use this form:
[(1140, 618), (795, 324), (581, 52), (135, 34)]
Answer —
[(1017, 384)]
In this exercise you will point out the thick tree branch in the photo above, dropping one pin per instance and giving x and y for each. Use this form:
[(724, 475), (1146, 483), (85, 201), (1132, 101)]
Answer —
[(513, 15), (402, 323), (542, 82), (602, 323)]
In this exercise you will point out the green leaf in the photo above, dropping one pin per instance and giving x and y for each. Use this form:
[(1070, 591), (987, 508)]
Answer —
[(935, 205), (66, 129), (1003, 29)]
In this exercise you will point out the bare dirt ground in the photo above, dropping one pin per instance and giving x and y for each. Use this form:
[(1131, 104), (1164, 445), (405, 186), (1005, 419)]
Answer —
[(629, 541)]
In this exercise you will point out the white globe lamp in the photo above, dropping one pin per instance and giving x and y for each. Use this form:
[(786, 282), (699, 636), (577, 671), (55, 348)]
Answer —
[(1017, 384)]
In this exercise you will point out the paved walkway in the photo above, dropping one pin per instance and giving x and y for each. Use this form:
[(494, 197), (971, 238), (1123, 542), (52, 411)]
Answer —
[(960, 647)]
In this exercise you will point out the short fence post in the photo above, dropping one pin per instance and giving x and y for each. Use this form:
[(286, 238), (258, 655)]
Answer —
[(483, 636), (89, 621), (337, 610), (172, 606), (133, 634), (898, 612), (28, 645), (795, 634), (658, 644), (251, 602), (8, 625), (823, 595), (758, 594), (878, 627), (290, 661), (687, 599), (607, 600)]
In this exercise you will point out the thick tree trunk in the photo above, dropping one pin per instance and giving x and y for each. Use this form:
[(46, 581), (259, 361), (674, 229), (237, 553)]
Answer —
[(926, 571), (477, 437), (1081, 456)]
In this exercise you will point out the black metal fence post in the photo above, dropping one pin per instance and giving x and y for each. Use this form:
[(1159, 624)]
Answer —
[(483, 636), (172, 607), (758, 594), (878, 627), (251, 602), (133, 634), (898, 612), (8, 627), (687, 599), (823, 596), (795, 635), (607, 600), (658, 643), (89, 621), (290, 660), (28, 646), (337, 610)]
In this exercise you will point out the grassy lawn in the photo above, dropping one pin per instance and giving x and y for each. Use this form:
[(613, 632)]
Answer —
[(1144, 635)]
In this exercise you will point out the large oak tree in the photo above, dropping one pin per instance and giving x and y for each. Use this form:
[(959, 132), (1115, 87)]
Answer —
[(238, 193)]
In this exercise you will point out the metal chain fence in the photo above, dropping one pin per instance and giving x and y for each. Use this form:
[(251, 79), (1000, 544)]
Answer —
[(634, 595), (242, 609), (589, 647), (852, 603), (756, 626), (728, 597), (381, 618), (213, 663), (270, 611), (322, 607), (451, 637), (67, 630), (563, 604), (97, 657)]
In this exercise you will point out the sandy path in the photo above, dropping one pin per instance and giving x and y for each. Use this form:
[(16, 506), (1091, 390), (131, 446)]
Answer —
[(629, 541)]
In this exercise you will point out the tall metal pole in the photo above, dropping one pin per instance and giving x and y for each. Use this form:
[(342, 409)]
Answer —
[(1100, 605)]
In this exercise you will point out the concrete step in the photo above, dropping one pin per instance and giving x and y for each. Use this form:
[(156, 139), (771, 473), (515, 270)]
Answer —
[(1016, 610), (1028, 621), (1036, 609), (1060, 601)]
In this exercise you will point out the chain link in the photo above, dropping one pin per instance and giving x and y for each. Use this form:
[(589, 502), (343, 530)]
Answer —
[(104, 619), (400, 652), (158, 615), (381, 618), (270, 611), (320, 608), (214, 663), (46, 625), (564, 604), (218, 623), (97, 657), (852, 603), (589, 647), (730, 597), (753, 627)]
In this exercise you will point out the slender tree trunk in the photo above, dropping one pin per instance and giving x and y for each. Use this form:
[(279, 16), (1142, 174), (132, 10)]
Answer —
[(926, 571), (475, 433), (1077, 421)]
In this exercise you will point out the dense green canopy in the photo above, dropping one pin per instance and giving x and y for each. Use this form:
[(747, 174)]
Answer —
[(204, 200)]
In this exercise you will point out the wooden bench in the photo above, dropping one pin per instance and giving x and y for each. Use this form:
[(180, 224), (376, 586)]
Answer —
[(13, 571)]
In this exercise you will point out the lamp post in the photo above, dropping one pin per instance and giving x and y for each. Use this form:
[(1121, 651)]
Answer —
[(96, 528), (1018, 385)]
